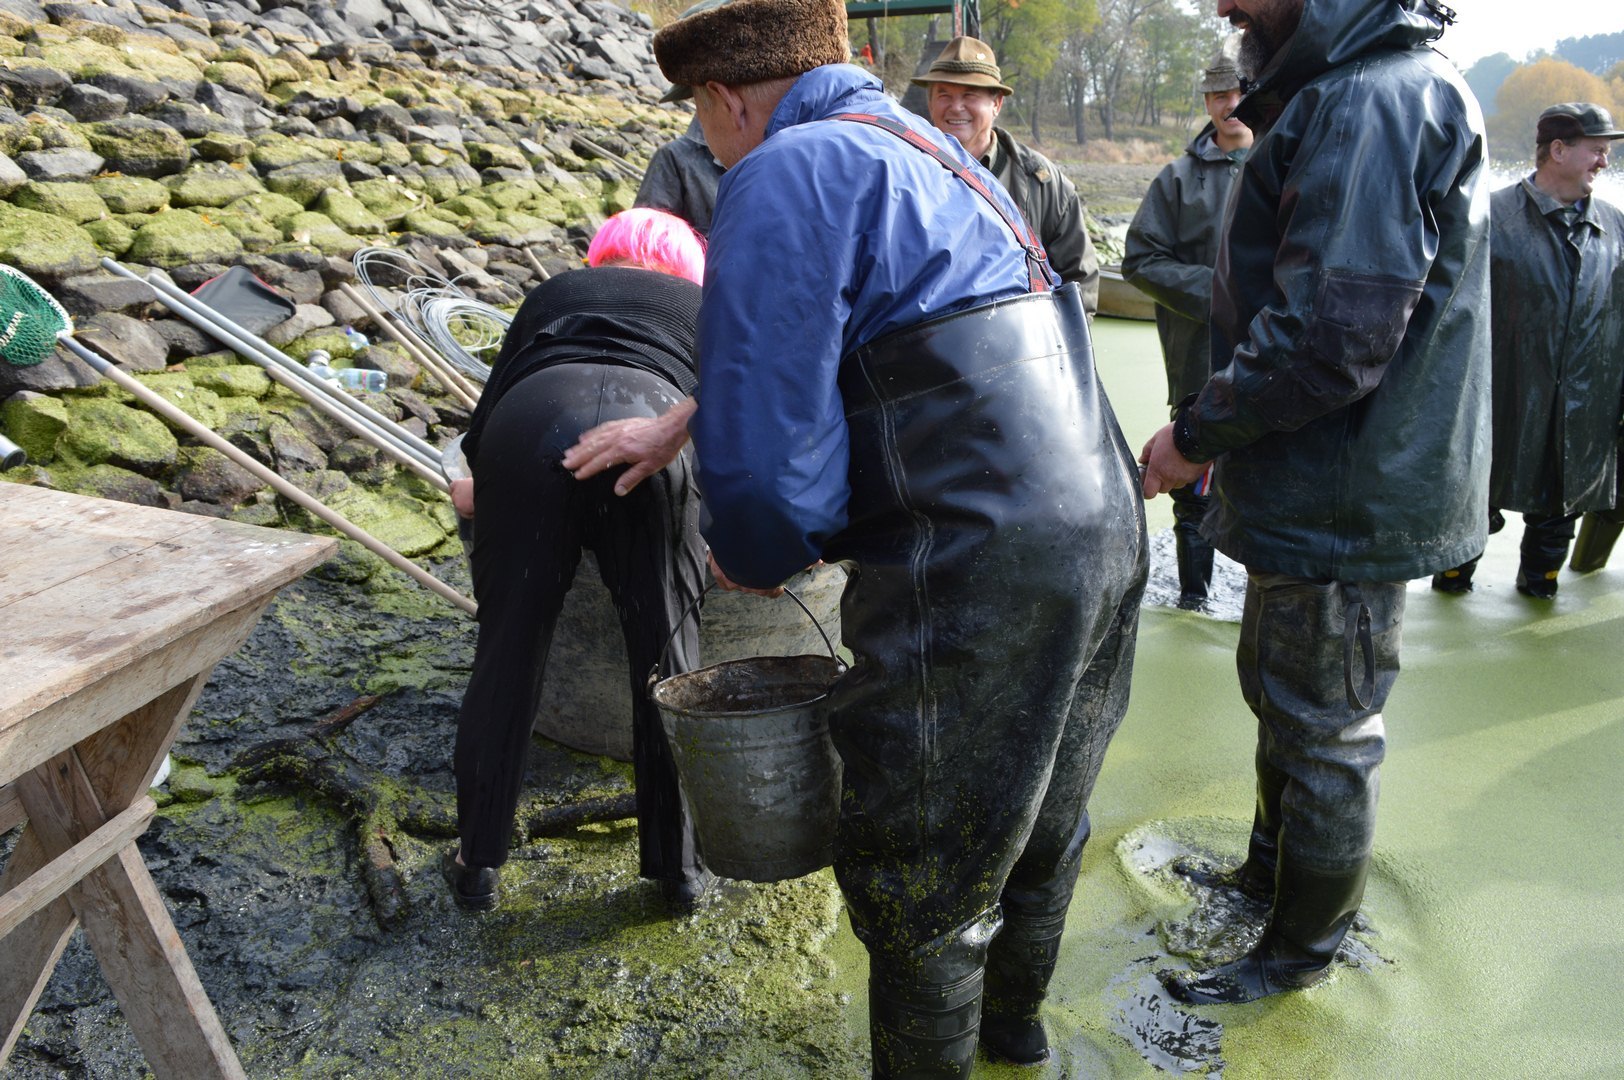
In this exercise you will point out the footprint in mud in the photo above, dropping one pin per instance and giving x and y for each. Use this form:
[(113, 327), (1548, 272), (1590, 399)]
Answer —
[(1165, 1033)]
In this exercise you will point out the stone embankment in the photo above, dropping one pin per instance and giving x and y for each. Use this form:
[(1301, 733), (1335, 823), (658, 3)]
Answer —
[(189, 136)]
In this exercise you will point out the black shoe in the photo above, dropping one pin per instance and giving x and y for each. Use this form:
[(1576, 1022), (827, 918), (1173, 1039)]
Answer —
[(683, 895), (1539, 586), (1190, 601), (1452, 581), (1017, 1040), (473, 887)]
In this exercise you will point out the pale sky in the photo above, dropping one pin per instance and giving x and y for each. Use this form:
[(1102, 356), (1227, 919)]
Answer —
[(1518, 27)]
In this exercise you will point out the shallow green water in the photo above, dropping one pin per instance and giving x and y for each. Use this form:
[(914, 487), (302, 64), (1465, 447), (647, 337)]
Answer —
[(1496, 901)]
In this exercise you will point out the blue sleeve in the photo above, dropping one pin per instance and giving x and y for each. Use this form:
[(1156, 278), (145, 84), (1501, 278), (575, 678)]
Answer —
[(770, 432)]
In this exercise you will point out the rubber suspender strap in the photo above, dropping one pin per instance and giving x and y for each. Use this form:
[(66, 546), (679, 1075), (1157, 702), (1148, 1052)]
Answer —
[(1037, 261)]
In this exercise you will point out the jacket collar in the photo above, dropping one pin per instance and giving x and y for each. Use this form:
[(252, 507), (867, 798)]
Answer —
[(1548, 204), (824, 92)]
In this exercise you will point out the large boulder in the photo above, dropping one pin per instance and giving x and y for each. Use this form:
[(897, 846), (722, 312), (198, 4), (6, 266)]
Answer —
[(131, 194), (74, 202), (307, 181), (42, 245), (138, 146), (211, 185), (206, 475), (182, 237), (130, 343), (101, 430), (34, 421), (62, 163)]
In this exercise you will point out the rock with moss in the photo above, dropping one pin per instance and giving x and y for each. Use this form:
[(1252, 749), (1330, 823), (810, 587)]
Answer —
[(470, 207), (205, 474), (307, 181), (385, 198), (223, 146), (34, 421), (236, 77), (253, 231), (349, 213), (180, 389), (111, 235), (318, 230), (75, 201), (131, 194), (138, 146), (485, 155), (332, 341), (234, 380), (406, 525), (513, 228), (42, 245), (100, 431), (272, 151), (180, 237), (108, 481), (268, 205), (617, 196), (210, 184), (428, 224)]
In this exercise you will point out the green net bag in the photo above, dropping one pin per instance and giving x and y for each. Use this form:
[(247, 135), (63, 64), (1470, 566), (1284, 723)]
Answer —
[(30, 320)]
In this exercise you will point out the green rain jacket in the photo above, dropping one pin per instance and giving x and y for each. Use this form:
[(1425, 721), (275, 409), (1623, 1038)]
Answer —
[(1053, 208), (1558, 352), (1350, 307), (1170, 249)]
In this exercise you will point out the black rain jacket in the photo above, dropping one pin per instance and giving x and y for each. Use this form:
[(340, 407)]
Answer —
[(1350, 306), (1558, 353)]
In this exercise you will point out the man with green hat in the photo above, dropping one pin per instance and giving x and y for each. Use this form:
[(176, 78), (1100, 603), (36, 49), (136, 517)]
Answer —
[(965, 94), (1557, 296), (1171, 247)]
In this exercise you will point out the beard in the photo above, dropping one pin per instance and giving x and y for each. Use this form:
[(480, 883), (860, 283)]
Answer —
[(1257, 49)]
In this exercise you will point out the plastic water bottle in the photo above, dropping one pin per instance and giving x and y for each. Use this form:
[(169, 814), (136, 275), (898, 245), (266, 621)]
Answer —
[(356, 339), (373, 382)]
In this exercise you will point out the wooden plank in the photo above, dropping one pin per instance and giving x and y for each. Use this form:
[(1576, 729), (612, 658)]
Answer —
[(46, 539), (70, 720), (31, 952), (11, 810), (130, 932), (61, 873), (68, 637)]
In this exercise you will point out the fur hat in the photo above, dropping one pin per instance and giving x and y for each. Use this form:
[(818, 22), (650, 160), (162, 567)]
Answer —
[(966, 61), (739, 42)]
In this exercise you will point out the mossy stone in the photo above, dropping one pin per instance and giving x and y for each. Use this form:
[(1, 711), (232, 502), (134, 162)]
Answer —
[(428, 223), (443, 184), (349, 213), (256, 234), (54, 135), (385, 198), (509, 194), (219, 146), (485, 155), (364, 152), (545, 206), (84, 57), (318, 230), (394, 154), (33, 421), (180, 390), (111, 235), (131, 194), (236, 380), (107, 481), (272, 151), (238, 78), (138, 146), (307, 181), (617, 196), (332, 340), (404, 524), (428, 154), (43, 245), (178, 237), (267, 204), (78, 202), (513, 228), (210, 185), (471, 207), (101, 431)]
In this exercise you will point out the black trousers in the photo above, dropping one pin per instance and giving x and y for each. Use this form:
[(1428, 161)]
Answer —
[(532, 521)]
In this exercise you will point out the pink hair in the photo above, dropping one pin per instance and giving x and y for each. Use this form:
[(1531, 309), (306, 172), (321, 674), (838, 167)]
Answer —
[(651, 239)]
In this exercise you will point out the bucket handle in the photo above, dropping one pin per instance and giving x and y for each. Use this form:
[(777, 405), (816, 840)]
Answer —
[(654, 676)]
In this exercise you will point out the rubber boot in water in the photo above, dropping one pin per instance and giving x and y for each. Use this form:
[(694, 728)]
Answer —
[(1597, 535), (1255, 876), (922, 1030), (1019, 966), (1456, 580), (1195, 563), (1313, 910)]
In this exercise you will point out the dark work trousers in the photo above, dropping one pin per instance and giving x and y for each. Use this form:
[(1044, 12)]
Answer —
[(1318, 753), (1545, 540), (997, 552), (532, 520)]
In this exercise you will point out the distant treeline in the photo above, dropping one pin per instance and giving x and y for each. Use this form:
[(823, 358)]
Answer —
[(1514, 93)]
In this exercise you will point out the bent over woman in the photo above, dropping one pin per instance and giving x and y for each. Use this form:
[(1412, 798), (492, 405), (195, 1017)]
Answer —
[(611, 342)]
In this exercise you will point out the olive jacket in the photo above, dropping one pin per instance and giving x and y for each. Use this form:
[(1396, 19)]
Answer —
[(1558, 329), (1171, 246), (1051, 205), (1349, 414)]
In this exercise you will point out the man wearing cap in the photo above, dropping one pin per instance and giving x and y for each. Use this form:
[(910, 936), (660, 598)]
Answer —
[(1170, 249), (1348, 416), (890, 379), (965, 94), (1558, 331)]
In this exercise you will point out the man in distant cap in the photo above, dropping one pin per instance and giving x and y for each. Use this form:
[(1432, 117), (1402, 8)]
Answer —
[(891, 379), (966, 93), (1170, 249), (681, 178), (1558, 330)]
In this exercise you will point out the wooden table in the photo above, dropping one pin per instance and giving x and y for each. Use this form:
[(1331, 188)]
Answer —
[(111, 618)]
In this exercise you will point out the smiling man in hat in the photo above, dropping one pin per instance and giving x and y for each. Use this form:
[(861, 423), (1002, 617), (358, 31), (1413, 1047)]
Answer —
[(966, 93), (891, 379), (1558, 331)]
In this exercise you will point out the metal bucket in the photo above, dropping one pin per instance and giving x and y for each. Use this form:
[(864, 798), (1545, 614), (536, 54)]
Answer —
[(758, 769)]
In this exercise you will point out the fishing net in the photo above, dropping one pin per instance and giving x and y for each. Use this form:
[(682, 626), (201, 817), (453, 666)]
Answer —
[(30, 319)]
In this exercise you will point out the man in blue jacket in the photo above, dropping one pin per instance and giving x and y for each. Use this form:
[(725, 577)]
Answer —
[(888, 379)]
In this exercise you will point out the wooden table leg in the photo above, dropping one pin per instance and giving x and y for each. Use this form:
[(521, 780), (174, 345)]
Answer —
[(130, 932), (33, 949)]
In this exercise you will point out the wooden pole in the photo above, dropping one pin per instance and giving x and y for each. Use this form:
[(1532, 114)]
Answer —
[(536, 264), (338, 521), (441, 370)]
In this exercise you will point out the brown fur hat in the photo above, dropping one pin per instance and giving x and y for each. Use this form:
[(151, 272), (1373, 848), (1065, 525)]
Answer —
[(739, 42)]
